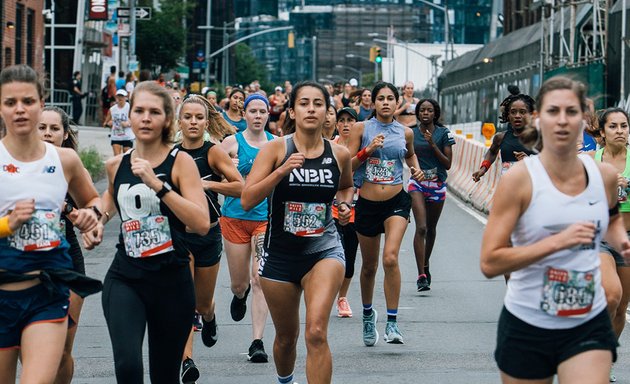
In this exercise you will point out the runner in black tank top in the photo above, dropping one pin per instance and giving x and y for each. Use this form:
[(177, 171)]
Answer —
[(213, 164), (158, 194), (302, 173)]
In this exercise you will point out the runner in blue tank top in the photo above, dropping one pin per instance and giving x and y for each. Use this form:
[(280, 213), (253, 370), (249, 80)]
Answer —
[(380, 146), (301, 173), (243, 231)]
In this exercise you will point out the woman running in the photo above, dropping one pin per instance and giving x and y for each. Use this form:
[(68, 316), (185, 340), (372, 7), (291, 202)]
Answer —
[(346, 117), (614, 131), (214, 165), (364, 109), (302, 173), (380, 146), (234, 111), (157, 192), (516, 111), (36, 267), (54, 128), (118, 120), (406, 110), (330, 124), (550, 213), (243, 230), (432, 144)]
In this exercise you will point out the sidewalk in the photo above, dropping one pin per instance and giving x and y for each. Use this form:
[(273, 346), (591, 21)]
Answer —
[(96, 137)]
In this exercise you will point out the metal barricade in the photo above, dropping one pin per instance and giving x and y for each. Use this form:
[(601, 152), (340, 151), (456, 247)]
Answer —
[(60, 98)]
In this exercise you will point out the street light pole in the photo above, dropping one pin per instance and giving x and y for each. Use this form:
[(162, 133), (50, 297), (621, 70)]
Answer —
[(208, 22), (358, 71), (446, 24)]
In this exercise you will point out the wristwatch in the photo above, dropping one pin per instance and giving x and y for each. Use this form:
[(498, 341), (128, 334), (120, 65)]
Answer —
[(166, 188), (97, 211), (67, 208)]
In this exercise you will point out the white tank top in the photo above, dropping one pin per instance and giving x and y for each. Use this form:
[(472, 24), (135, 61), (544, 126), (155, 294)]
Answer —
[(119, 115), (564, 289), (42, 180)]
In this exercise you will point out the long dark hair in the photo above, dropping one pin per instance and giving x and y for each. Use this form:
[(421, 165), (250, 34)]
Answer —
[(602, 118), (437, 111), (506, 104), (22, 74), (72, 140)]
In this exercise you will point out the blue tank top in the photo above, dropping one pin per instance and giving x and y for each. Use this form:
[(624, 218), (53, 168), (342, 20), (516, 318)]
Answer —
[(385, 165), (232, 205), (240, 125), (364, 113)]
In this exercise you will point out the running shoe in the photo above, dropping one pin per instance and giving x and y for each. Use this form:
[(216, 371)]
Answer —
[(257, 352), (428, 275), (190, 373), (392, 333), (612, 378), (370, 334), (343, 308), (238, 307), (423, 283), (197, 323), (209, 334)]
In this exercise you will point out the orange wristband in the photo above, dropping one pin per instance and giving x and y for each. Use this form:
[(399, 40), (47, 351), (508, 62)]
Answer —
[(5, 230)]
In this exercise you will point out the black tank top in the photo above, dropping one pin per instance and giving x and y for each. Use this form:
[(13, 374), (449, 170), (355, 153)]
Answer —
[(136, 202), (300, 217), (200, 156), (511, 144)]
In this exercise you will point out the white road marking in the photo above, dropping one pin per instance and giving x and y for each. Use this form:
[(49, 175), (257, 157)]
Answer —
[(466, 208)]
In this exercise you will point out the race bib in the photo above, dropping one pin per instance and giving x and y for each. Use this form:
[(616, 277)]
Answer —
[(41, 233), (430, 174), (117, 131), (505, 166), (304, 219), (567, 293), (380, 171), (147, 237)]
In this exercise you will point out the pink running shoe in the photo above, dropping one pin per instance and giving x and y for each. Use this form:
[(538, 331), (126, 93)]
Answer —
[(343, 308)]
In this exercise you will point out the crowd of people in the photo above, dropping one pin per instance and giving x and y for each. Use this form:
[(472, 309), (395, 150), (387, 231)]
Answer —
[(289, 187)]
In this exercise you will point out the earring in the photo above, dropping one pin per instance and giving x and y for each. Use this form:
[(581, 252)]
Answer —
[(537, 124)]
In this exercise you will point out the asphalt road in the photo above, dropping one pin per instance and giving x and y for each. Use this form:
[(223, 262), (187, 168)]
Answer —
[(449, 331)]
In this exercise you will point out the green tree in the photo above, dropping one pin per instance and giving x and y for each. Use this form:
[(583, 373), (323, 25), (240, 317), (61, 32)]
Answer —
[(248, 68), (160, 42)]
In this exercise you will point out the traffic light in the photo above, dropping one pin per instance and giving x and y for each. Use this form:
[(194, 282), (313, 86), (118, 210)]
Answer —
[(291, 40), (373, 53), (378, 57)]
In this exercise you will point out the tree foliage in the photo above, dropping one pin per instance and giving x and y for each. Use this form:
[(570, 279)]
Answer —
[(160, 42), (248, 68)]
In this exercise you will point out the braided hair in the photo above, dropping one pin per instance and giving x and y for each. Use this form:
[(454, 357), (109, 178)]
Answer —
[(515, 94)]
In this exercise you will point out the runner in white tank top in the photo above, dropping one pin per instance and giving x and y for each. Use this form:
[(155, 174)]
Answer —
[(548, 217)]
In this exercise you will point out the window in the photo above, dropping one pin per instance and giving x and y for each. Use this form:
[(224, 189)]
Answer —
[(19, 30), (7, 57), (30, 36)]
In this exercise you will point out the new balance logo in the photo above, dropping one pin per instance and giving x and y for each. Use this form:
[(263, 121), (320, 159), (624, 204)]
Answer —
[(327, 160), (49, 169)]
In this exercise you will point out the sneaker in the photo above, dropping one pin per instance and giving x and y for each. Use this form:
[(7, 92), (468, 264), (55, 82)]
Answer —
[(190, 373), (257, 352), (370, 334), (428, 275), (197, 323), (343, 308), (612, 378), (423, 283), (209, 332), (392, 333), (238, 307)]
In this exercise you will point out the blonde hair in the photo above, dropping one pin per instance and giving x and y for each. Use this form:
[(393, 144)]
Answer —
[(155, 89), (217, 127)]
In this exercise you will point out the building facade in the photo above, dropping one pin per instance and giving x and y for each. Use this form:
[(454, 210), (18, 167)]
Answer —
[(22, 33)]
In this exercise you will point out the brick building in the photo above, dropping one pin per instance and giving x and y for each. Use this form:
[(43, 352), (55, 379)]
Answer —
[(22, 33)]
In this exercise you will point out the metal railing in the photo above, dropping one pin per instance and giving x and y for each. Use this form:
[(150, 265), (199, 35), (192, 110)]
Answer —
[(60, 98)]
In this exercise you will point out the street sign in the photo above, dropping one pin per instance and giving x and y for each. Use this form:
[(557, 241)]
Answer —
[(133, 65), (142, 13), (199, 64)]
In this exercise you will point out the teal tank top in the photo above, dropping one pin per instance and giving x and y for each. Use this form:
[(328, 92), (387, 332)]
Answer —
[(624, 203), (232, 205)]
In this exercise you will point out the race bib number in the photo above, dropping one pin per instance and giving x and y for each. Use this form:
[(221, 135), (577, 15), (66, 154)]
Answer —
[(430, 174), (380, 171), (505, 166), (304, 219), (147, 237), (118, 130), (567, 293), (41, 233)]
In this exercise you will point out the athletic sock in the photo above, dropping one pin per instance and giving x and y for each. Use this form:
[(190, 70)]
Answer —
[(392, 314), (367, 309), (285, 379)]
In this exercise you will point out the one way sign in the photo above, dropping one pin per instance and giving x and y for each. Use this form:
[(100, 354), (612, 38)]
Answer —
[(142, 13)]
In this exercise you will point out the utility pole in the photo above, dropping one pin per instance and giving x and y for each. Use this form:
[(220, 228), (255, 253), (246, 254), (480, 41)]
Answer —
[(314, 56), (132, 31), (208, 23), (52, 52), (622, 89)]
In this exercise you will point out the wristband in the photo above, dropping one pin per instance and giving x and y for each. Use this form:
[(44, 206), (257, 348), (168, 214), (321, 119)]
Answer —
[(5, 230), (486, 164), (106, 214), (362, 155), (344, 203)]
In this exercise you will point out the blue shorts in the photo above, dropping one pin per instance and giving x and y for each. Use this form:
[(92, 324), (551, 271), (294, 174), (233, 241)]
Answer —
[(433, 191), (205, 249), (29, 306), (286, 268)]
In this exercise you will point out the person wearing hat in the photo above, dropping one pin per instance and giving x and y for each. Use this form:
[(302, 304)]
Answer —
[(118, 120), (277, 101)]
